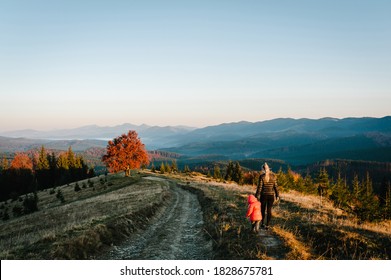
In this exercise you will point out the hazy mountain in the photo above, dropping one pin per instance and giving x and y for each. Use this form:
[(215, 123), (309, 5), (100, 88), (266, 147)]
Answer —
[(321, 128), (152, 136), (297, 141), (12, 145)]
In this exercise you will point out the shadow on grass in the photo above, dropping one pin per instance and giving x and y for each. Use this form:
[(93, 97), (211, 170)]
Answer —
[(329, 237)]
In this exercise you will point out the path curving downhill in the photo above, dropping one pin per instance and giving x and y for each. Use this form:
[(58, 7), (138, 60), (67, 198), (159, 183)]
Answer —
[(175, 232)]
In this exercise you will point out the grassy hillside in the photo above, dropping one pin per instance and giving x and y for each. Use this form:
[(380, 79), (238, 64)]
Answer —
[(88, 220), (306, 229), (112, 208)]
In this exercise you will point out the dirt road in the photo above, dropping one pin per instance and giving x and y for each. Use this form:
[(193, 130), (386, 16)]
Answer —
[(175, 232)]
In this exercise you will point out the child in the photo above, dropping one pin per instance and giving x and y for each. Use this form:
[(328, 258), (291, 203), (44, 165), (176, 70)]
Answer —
[(254, 212)]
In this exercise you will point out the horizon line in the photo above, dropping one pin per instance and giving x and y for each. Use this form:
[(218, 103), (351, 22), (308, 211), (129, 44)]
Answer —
[(183, 125)]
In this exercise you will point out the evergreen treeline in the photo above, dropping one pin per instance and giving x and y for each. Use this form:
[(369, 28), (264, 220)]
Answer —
[(356, 196), (25, 174)]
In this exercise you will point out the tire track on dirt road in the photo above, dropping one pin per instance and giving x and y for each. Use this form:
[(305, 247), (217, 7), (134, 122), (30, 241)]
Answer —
[(175, 232)]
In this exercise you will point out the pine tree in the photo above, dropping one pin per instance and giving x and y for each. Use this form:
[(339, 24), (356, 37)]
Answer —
[(62, 162), (186, 169), (43, 162), (323, 178), (368, 185), (387, 208), (174, 166), (229, 171), (42, 171), (237, 175), (216, 172), (168, 168), (71, 158), (282, 179), (4, 164), (356, 187), (340, 193), (162, 168), (323, 183)]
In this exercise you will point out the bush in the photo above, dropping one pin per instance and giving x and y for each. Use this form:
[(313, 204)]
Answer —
[(6, 216), (77, 187), (60, 196), (30, 204), (17, 211), (52, 191)]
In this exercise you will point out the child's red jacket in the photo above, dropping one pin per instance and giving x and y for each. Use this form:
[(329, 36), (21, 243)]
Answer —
[(254, 209)]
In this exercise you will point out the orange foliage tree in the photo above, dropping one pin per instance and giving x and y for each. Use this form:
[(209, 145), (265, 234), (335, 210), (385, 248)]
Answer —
[(125, 152), (21, 161)]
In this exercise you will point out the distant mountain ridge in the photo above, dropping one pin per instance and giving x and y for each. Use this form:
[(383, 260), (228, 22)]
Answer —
[(297, 141), (149, 134)]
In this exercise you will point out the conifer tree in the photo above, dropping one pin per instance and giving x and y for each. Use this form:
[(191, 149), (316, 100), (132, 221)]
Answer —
[(340, 193), (229, 171), (387, 207), (4, 164), (323, 182), (71, 158), (43, 162), (168, 168), (186, 169), (162, 168), (356, 187), (237, 175), (62, 162), (216, 172), (174, 166), (42, 170)]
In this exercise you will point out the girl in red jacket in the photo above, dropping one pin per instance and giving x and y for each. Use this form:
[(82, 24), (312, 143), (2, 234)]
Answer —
[(254, 212)]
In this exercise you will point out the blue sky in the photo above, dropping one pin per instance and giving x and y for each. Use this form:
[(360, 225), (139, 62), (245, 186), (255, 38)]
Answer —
[(66, 64)]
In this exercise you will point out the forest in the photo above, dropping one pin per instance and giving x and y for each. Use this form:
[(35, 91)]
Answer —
[(356, 195), (32, 171)]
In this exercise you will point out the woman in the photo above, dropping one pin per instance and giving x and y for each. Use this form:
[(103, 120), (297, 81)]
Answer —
[(267, 188)]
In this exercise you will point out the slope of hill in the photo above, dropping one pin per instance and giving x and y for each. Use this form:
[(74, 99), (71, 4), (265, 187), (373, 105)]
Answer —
[(88, 221)]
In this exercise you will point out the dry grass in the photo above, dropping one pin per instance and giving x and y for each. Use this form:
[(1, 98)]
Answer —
[(95, 217), (307, 228), (84, 217), (332, 233), (298, 249)]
